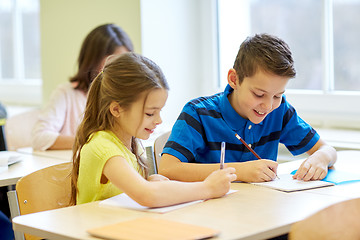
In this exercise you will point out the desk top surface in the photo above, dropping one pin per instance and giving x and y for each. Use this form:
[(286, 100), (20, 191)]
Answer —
[(58, 154), (29, 163), (253, 212)]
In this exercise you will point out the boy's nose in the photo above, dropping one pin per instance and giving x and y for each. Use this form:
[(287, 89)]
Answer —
[(267, 105)]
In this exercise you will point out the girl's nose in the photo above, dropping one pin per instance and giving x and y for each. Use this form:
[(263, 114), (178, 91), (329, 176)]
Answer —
[(158, 120)]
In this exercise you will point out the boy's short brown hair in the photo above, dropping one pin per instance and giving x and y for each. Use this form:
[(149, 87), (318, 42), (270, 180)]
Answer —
[(264, 52)]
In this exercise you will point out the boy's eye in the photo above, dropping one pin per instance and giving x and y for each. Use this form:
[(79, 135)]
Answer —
[(277, 96), (258, 95)]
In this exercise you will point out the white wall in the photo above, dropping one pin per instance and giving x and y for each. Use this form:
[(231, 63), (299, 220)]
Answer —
[(178, 36)]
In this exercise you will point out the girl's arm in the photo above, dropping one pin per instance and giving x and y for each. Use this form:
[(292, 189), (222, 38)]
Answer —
[(164, 193), (63, 142), (315, 167)]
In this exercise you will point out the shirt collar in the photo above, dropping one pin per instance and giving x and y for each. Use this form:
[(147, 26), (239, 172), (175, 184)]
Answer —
[(231, 117)]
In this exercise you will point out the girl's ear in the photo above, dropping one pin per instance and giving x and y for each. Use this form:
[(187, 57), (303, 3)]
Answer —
[(232, 78), (115, 109)]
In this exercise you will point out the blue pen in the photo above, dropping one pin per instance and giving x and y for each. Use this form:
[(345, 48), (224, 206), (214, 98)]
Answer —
[(222, 156)]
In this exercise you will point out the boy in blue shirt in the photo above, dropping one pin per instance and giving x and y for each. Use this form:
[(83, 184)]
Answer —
[(253, 106)]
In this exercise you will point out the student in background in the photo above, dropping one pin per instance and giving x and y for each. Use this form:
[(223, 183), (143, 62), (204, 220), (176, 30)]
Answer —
[(5, 224), (57, 124), (6, 231), (124, 104), (339, 221), (253, 106)]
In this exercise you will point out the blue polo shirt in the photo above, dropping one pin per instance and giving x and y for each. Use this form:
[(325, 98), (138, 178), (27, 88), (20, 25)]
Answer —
[(207, 121)]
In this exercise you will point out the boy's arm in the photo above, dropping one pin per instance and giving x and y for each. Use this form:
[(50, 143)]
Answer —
[(250, 171), (315, 167), (174, 169)]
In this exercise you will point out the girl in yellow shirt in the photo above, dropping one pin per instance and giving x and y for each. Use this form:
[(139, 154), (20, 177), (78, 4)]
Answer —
[(124, 103)]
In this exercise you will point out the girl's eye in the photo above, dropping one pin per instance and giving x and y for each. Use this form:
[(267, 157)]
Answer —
[(278, 96), (149, 114)]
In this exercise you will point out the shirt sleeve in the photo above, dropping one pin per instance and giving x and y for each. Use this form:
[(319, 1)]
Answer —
[(186, 138), (297, 135), (50, 121)]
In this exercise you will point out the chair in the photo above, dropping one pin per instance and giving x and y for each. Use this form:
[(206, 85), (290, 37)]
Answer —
[(3, 145), (159, 144), (3, 116), (45, 189), (337, 221), (18, 129)]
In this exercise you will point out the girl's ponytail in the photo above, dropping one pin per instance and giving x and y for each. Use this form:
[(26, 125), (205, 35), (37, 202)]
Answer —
[(85, 129)]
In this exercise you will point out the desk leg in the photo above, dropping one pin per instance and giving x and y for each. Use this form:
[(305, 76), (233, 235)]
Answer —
[(14, 211)]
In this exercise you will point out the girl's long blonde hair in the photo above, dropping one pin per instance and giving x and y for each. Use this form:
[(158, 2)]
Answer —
[(123, 80)]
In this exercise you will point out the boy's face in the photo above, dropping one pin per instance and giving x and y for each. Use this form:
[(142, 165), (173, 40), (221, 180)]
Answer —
[(256, 96)]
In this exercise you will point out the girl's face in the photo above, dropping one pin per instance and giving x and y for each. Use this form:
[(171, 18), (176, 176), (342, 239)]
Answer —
[(256, 96), (118, 51), (141, 119)]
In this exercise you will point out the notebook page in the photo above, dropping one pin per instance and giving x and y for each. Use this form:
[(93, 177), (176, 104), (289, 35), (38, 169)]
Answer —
[(287, 184), (124, 201)]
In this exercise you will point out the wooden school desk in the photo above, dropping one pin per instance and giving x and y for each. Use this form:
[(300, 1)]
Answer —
[(253, 212), (29, 163), (58, 154)]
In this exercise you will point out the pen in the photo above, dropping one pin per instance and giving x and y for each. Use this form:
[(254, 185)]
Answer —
[(250, 149), (222, 156)]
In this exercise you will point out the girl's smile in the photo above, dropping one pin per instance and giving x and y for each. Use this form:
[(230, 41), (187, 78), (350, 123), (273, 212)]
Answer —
[(141, 119)]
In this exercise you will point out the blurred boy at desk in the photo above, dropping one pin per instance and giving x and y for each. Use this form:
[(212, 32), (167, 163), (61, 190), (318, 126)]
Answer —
[(253, 105)]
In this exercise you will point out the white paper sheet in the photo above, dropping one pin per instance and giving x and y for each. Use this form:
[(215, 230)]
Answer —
[(287, 184), (124, 201)]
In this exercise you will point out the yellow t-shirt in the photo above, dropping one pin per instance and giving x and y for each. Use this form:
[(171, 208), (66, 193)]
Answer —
[(93, 156)]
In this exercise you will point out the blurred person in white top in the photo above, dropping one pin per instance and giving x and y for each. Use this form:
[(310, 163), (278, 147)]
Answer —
[(56, 126)]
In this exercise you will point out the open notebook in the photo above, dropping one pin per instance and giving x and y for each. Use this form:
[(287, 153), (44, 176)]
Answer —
[(153, 229), (124, 201), (286, 183), (8, 158), (340, 177), (334, 177)]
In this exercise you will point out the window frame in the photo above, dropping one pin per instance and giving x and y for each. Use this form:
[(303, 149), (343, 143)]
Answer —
[(327, 108), (19, 90)]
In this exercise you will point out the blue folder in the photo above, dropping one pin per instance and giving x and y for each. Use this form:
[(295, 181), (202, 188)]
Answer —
[(339, 177)]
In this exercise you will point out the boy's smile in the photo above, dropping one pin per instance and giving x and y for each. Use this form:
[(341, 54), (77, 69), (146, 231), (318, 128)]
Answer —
[(256, 96)]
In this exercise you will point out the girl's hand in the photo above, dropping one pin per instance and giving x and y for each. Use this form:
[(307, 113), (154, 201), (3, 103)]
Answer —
[(218, 182), (157, 177)]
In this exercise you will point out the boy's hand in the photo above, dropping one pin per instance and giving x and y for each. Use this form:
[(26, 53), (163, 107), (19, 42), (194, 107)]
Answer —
[(262, 170), (313, 168)]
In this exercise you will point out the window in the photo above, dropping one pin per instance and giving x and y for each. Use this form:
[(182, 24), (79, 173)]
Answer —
[(20, 69), (322, 35)]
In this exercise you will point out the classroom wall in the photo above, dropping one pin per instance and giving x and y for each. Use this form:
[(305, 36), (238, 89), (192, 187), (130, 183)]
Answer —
[(179, 36), (64, 25)]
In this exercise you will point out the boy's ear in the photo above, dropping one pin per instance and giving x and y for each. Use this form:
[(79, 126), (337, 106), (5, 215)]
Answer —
[(232, 78), (115, 109)]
